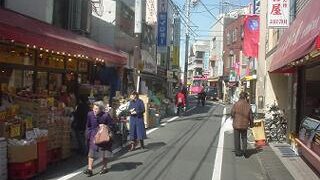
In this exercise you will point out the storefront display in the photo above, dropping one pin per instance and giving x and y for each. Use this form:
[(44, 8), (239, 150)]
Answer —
[(309, 140), (3, 159)]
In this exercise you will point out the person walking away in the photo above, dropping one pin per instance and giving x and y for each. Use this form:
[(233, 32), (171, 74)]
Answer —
[(202, 97), (242, 119), (137, 126), (97, 117), (180, 101), (79, 123)]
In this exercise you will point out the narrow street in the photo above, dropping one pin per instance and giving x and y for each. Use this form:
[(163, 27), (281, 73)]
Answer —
[(181, 148)]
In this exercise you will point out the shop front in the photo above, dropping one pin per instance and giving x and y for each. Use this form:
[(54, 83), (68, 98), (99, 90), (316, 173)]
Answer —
[(43, 72), (298, 57)]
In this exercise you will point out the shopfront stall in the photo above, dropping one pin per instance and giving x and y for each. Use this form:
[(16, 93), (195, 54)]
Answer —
[(43, 71), (297, 57)]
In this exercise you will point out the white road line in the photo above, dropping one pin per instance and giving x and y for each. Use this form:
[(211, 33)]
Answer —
[(172, 119), (191, 109), (151, 130), (163, 124), (69, 176), (216, 175)]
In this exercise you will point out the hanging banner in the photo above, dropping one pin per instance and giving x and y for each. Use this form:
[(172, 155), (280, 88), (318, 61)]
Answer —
[(138, 17), (251, 36), (175, 57), (278, 13), (162, 24)]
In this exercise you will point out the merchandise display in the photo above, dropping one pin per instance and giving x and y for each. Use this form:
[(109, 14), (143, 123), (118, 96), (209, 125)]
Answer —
[(3, 159)]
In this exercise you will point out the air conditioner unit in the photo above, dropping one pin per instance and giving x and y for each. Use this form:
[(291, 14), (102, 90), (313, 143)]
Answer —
[(80, 16)]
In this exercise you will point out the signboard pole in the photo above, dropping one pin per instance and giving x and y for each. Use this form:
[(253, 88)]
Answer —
[(185, 79)]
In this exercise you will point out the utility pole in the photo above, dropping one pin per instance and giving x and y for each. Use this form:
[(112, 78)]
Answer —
[(187, 43)]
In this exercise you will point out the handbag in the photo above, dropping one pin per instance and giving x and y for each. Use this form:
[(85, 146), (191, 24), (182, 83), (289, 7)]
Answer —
[(103, 135)]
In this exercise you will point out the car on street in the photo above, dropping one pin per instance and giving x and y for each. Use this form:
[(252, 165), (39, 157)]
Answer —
[(212, 93)]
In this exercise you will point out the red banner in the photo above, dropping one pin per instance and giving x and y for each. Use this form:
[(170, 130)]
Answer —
[(318, 42), (251, 36)]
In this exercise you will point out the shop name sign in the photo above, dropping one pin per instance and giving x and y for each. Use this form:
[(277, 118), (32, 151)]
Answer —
[(162, 24), (278, 13)]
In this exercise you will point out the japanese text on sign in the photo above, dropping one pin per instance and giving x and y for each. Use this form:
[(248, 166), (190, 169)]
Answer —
[(278, 13), (162, 29)]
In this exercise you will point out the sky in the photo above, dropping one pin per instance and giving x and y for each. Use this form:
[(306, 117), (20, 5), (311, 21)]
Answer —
[(202, 20)]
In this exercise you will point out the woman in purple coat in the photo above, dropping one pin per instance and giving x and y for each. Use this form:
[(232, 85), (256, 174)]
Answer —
[(137, 128), (96, 117)]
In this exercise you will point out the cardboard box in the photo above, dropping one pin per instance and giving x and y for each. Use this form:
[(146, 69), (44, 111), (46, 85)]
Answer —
[(19, 154)]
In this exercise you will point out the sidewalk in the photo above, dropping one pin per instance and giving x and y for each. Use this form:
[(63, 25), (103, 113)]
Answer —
[(279, 162)]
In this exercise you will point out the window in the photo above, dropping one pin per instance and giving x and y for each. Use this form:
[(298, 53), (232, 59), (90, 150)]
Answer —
[(199, 54), (235, 35), (228, 38), (16, 78)]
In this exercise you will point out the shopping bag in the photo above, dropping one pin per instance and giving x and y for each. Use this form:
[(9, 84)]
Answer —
[(103, 135)]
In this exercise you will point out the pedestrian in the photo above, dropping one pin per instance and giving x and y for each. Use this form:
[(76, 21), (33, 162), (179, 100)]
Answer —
[(79, 123), (95, 118), (180, 102), (137, 127), (202, 97), (242, 119)]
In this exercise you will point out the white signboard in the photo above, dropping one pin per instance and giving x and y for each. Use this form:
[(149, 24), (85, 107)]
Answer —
[(138, 17), (278, 13)]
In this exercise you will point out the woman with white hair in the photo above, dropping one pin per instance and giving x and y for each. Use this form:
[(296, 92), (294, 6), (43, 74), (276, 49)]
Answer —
[(96, 118)]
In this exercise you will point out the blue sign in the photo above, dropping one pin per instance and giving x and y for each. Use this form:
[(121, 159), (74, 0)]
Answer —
[(162, 29)]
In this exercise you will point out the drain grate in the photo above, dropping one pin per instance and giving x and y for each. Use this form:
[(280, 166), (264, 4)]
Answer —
[(286, 151)]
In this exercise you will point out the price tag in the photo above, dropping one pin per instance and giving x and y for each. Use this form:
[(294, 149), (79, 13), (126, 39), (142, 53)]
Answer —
[(15, 130), (29, 123)]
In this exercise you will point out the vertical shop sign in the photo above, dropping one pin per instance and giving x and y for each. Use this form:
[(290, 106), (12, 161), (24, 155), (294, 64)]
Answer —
[(278, 13), (162, 25), (138, 17), (176, 42)]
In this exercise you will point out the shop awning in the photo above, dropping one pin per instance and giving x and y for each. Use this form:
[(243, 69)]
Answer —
[(26, 30), (213, 79), (299, 39)]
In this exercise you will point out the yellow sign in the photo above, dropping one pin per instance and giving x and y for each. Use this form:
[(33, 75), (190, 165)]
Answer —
[(175, 57), (29, 123), (15, 130)]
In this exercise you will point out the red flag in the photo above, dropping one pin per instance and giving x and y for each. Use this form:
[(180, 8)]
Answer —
[(318, 42), (251, 35)]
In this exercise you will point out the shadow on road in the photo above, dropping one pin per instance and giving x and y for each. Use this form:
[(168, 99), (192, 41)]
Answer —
[(125, 166), (155, 145)]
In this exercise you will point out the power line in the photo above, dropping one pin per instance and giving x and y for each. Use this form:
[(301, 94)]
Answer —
[(209, 11)]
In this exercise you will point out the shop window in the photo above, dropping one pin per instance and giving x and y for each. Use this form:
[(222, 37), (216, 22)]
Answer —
[(312, 99), (55, 80), (42, 79), (15, 80), (11, 54)]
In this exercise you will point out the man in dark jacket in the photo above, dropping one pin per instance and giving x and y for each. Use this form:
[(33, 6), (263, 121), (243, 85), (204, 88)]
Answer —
[(242, 119), (79, 123)]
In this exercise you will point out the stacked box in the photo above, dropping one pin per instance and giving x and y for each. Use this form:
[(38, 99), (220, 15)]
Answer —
[(3, 159), (66, 137)]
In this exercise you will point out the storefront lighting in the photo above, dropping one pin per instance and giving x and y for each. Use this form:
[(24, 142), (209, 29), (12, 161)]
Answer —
[(28, 45), (47, 50), (52, 52), (12, 41), (69, 59), (79, 55), (41, 49), (69, 54), (34, 46), (63, 53), (40, 55), (58, 52), (2, 71), (86, 57), (61, 60), (74, 55)]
